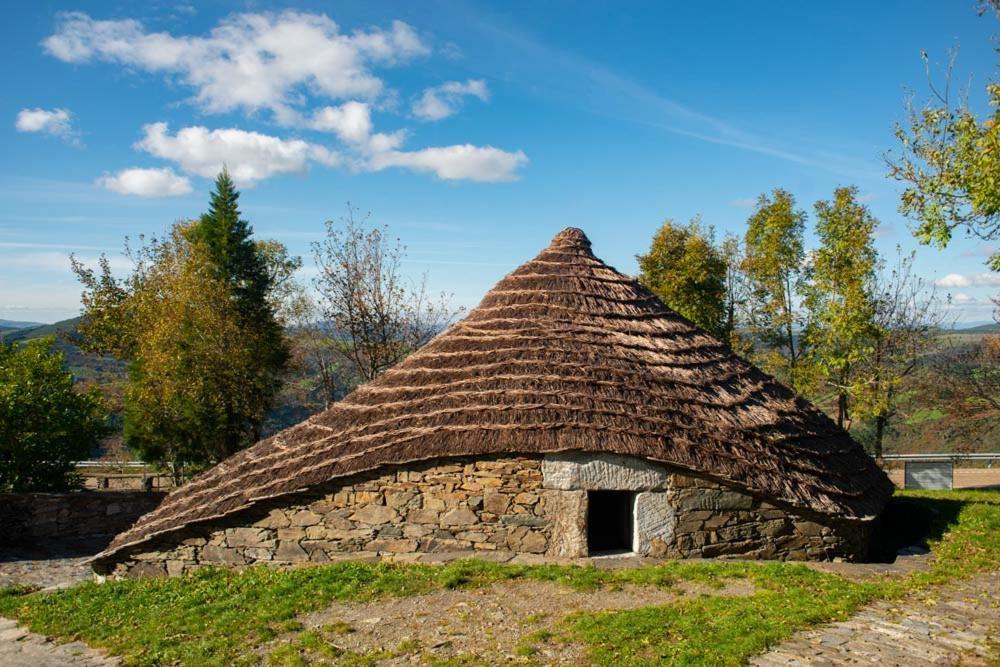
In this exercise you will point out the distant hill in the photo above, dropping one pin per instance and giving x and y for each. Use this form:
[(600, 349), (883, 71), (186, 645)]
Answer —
[(61, 330), (989, 327), (15, 324)]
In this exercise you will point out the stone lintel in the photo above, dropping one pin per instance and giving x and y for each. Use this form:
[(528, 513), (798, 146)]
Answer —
[(570, 471)]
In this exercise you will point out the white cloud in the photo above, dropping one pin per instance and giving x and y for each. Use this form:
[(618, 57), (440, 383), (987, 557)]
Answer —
[(953, 280), (445, 100), (57, 122), (962, 299), (979, 280), (351, 121), (987, 279), (248, 61), (459, 162), (147, 182), (282, 62), (744, 202), (249, 156), (59, 262)]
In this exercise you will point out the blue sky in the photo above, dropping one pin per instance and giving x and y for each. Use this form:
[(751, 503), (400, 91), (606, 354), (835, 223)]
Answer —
[(475, 131)]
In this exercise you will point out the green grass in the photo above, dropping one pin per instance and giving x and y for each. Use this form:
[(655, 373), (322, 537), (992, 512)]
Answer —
[(220, 617), (924, 415)]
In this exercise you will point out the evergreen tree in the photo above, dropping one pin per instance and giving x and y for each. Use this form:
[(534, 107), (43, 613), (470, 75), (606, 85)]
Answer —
[(242, 264), (196, 319)]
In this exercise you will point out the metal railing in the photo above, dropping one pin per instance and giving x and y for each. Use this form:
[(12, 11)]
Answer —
[(954, 457), (112, 464)]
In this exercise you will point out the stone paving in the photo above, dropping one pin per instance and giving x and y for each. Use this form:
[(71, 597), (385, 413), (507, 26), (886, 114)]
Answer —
[(42, 571), (954, 624), (20, 648)]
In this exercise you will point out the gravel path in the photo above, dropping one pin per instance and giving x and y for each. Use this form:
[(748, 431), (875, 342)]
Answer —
[(954, 624)]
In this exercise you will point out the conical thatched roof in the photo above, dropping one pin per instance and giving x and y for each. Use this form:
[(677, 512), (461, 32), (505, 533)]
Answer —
[(565, 353)]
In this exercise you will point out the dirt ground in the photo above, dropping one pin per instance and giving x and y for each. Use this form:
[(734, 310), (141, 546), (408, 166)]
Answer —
[(501, 624)]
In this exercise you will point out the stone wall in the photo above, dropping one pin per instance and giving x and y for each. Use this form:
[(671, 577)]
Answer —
[(442, 507), (678, 515), (495, 508), (79, 518)]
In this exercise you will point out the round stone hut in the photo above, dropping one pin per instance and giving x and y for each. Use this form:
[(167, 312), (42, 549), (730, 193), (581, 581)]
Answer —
[(570, 414)]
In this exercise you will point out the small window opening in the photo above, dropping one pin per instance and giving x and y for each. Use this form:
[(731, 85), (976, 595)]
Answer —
[(609, 521)]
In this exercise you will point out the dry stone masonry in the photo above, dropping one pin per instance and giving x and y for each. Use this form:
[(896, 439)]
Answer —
[(494, 507), (36, 520)]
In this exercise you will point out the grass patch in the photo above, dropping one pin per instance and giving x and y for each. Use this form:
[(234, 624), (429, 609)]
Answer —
[(965, 540), (220, 617)]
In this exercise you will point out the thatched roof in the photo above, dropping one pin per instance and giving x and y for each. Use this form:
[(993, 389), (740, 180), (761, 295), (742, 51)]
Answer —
[(565, 353)]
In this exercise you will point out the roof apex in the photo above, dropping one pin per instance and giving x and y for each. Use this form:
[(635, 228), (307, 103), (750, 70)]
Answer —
[(571, 237)]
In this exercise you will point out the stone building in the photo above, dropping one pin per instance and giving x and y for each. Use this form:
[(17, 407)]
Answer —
[(570, 414)]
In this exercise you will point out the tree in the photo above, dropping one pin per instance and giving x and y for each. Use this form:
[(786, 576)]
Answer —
[(906, 325), (686, 271), (325, 374), (376, 318), (839, 299), (737, 290), (950, 165), (197, 321), (964, 380), (197, 391), (250, 270), (45, 424), (773, 267)]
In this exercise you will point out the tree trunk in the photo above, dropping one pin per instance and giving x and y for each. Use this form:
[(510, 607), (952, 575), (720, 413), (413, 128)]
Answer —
[(880, 421), (841, 408)]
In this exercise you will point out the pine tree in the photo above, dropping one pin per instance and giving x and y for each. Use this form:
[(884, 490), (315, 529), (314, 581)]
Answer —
[(227, 240), (196, 320)]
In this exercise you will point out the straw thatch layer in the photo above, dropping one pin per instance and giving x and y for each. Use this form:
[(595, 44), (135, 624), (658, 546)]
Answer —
[(565, 353)]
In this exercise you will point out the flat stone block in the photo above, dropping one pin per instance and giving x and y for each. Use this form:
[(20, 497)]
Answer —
[(580, 470)]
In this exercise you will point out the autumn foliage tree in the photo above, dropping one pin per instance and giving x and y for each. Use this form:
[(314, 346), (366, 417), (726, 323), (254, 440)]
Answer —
[(196, 320)]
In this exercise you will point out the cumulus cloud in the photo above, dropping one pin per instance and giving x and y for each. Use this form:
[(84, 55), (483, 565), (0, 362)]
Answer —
[(249, 156), (352, 123), (282, 62), (146, 183), (57, 122), (459, 162), (445, 100), (249, 61), (959, 280)]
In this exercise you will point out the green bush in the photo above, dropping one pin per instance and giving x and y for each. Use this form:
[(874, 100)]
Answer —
[(45, 424)]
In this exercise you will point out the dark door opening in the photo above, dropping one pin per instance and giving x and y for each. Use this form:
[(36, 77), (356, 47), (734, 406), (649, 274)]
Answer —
[(609, 521)]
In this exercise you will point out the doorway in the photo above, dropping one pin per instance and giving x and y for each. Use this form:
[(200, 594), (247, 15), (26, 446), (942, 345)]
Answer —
[(609, 521)]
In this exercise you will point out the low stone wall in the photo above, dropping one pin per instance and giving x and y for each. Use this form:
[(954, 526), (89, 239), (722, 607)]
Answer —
[(78, 518), (495, 507)]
